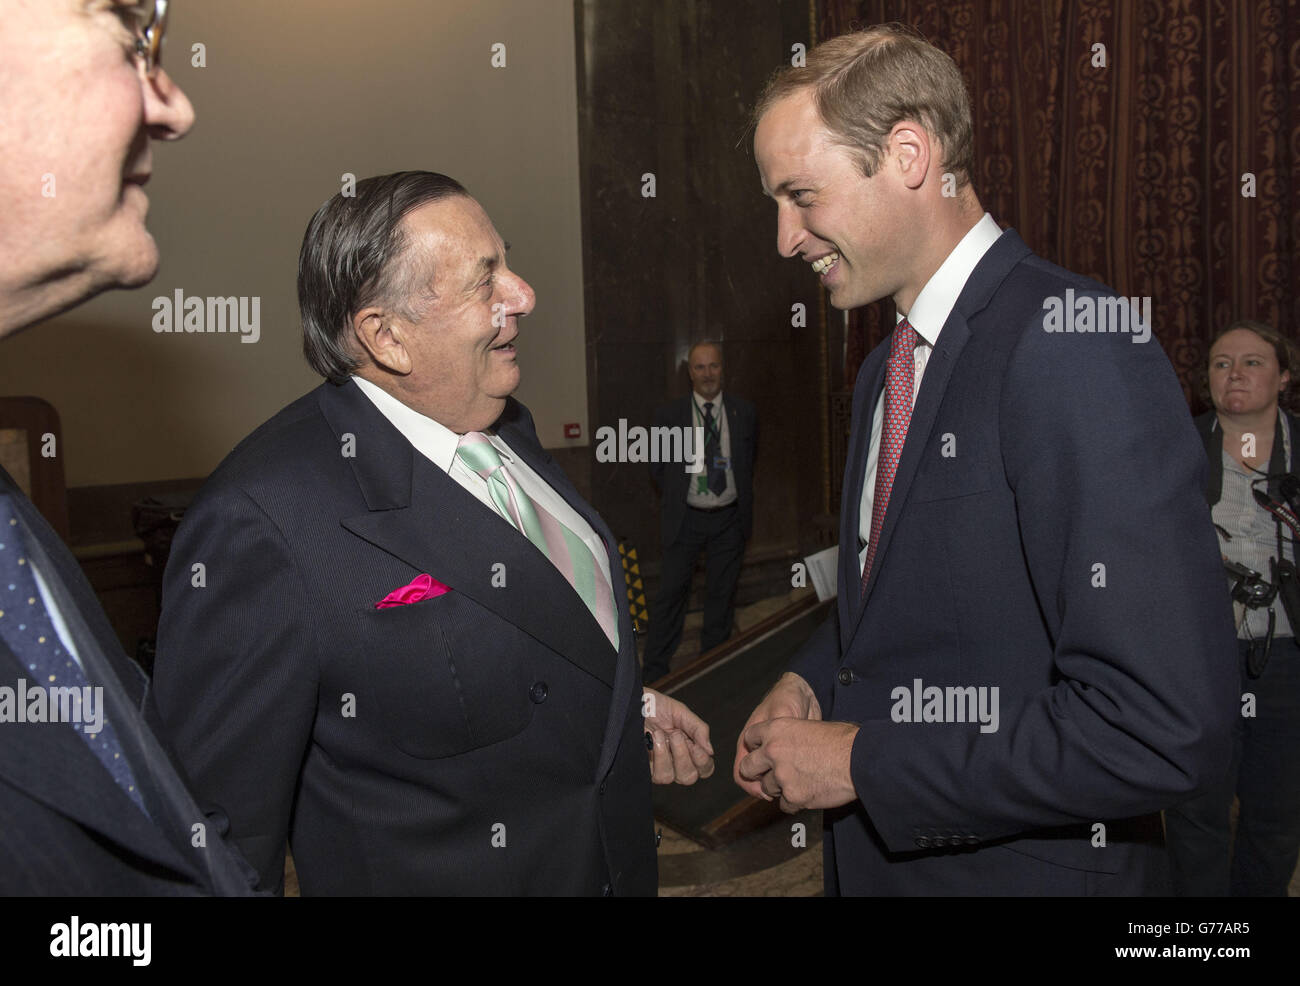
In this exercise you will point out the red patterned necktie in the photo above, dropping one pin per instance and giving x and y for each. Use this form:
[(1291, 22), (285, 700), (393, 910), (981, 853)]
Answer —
[(900, 385)]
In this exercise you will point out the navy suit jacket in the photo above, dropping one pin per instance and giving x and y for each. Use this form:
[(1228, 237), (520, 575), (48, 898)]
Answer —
[(66, 828), (672, 479), (1047, 535), (485, 741)]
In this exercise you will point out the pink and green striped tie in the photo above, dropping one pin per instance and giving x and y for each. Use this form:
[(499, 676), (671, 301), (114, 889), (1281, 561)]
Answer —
[(566, 551)]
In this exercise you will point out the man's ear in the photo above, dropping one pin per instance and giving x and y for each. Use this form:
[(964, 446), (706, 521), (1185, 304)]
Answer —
[(911, 145), (382, 337)]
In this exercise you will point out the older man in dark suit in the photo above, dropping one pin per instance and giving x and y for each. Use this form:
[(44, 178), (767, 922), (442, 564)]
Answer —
[(94, 805), (403, 652), (1025, 664), (707, 507)]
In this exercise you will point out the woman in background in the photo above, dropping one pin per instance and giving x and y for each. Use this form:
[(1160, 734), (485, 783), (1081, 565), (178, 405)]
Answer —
[(1248, 437)]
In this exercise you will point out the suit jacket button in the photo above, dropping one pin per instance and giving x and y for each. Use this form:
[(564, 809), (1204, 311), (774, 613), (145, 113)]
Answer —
[(538, 693), (846, 676), (972, 840), (602, 787), (923, 842), (938, 842)]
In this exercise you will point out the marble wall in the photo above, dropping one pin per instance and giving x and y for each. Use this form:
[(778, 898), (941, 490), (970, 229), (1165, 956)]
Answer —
[(666, 89)]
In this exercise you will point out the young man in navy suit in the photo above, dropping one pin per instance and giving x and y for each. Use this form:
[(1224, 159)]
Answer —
[(1027, 662), (408, 656), (94, 806)]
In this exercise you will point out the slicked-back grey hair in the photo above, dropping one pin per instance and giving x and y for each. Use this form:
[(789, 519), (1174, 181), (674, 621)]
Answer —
[(354, 254)]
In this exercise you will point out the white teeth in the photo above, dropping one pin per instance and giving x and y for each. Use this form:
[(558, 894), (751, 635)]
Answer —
[(825, 263)]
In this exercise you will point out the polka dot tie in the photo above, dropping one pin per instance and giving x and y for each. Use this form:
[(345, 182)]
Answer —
[(900, 385), (25, 625)]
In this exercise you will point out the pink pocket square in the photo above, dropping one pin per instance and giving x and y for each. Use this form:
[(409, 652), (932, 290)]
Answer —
[(421, 587)]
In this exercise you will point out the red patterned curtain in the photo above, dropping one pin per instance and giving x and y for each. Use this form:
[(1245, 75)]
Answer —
[(1132, 173)]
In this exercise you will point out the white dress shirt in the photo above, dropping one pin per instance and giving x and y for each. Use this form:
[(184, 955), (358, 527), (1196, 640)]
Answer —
[(60, 625), (437, 443), (930, 310), (708, 499)]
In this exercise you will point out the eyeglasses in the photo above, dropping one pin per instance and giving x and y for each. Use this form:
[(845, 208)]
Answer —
[(148, 46)]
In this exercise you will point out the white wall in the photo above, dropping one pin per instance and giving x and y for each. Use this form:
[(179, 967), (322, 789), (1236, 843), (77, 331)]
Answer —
[(295, 93)]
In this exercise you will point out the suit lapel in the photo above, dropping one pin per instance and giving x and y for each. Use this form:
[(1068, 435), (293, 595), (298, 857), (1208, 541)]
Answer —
[(76, 599), (736, 426), (50, 761), (523, 443), (424, 517), (686, 418), (734, 423), (871, 380), (938, 370), (975, 296), (53, 765)]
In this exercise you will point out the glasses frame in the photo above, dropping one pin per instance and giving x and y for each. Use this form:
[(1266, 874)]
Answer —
[(148, 47)]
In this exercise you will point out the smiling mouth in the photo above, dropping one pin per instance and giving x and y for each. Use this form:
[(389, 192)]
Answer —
[(505, 347), (823, 265)]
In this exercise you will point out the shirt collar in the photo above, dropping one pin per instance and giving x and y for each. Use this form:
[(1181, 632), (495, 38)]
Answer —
[(716, 401), (935, 302), (436, 442)]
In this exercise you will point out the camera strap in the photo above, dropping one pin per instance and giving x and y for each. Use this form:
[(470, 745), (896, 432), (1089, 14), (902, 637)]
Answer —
[(1283, 569)]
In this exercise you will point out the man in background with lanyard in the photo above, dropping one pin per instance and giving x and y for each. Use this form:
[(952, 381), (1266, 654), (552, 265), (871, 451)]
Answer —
[(711, 509)]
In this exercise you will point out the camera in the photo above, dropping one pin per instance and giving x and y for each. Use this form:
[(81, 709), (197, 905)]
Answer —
[(1250, 589)]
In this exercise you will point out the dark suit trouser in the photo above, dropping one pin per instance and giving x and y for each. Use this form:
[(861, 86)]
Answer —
[(1265, 775), (719, 534)]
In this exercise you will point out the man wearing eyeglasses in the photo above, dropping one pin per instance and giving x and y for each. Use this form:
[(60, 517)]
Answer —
[(94, 806)]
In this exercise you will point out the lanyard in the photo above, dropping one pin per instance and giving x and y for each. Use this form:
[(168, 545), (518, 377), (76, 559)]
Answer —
[(712, 429)]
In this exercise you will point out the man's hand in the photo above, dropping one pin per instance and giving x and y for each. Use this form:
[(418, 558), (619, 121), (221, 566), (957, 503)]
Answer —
[(803, 762), (790, 698), (680, 751)]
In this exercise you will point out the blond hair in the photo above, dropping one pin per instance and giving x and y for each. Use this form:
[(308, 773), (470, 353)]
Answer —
[(866, 82)]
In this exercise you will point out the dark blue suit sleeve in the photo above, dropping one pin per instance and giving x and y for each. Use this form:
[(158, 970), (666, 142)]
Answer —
[(235, 678)]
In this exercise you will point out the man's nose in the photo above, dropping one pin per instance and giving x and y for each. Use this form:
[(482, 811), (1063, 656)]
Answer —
[(789, 231), (167, 110), (522, 298)]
